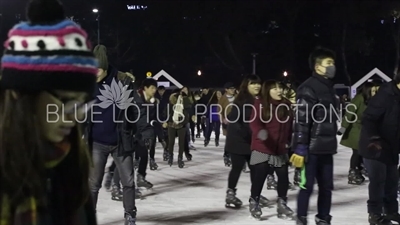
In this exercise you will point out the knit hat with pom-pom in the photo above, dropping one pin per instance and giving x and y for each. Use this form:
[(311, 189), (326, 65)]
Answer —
[(49, 52)]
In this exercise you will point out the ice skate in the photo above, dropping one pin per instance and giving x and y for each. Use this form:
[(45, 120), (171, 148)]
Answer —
[(191, 147), (301, 220), (355, 177), (216, 143), (138, 194), (153, 165), (197, 135), (116, 193), (265, 202), (297, 177), (181, 164), (227, 161), (130, 218), (165, 155), (393, 217), (231, 201), (378, 219), (255, 209), (206, 142), (271, 183), (170, 159), (193, 139), (284, 212), (107, 182), (244, 170), (323, 221), (188, 156), (143, 183), (292, 187), (136, 163)]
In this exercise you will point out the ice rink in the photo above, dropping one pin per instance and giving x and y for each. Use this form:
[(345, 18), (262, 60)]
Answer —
[(196, 194)]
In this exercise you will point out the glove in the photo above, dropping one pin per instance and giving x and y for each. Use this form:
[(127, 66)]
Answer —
[(262, 135), (341, 131), (299, 156)]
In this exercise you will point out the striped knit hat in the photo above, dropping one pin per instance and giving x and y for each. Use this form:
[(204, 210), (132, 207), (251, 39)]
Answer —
[(48, 53)]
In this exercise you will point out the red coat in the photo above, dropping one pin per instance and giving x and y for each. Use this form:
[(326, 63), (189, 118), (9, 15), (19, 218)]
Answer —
[(279, 130)]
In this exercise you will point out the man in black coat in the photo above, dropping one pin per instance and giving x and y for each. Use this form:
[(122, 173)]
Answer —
[(379, 144), (314, 138)]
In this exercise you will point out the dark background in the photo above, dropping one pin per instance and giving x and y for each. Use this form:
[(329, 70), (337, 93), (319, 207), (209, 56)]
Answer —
[(218, 37)]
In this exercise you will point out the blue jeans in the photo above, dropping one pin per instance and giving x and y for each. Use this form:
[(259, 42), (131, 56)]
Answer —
[(319, 167)]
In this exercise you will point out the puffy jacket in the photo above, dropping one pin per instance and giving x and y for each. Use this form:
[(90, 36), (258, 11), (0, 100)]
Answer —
[(381, 122), (316, 120)]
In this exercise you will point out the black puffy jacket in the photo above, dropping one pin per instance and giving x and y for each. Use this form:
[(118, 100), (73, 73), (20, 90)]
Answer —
[(316, 120), (381, 122), (238, 136)]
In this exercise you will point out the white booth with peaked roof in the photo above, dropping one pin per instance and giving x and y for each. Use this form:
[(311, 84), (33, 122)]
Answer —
[(373, 72), (162, 73)]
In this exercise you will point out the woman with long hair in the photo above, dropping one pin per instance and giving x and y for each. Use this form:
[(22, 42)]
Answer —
[(351, 129), (271, 128), (48, 73), (238, 138)]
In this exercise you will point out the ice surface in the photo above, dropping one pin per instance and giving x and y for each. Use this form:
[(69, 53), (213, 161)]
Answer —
[(196, 195)]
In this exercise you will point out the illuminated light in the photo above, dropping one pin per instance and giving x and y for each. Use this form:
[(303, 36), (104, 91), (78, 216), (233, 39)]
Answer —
[(285, 74), (95, 10), (199, 73), (149, 74)]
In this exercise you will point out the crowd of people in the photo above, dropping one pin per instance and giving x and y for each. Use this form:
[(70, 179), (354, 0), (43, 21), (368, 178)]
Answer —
[(49, 174)]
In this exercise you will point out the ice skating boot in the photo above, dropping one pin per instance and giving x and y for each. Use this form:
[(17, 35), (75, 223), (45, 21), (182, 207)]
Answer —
[(153, 165), (284, 212), (393, 217), (138, 194), (227, 161), (116, 193), (206, 142), (231, 201), (188, 156), (170, 159), (271, 183), (142, 182), (378, 219), (191, 147), (244, 170), (364, 172), (193, 139), (197, 135), (323, 221), (301, 220), (130, 218), (292, 187), (181, 164), (297, 177), (355, 177), (107, 182), (216, 142), (136, 163), (254, 208), (265, 202), (165, 155)]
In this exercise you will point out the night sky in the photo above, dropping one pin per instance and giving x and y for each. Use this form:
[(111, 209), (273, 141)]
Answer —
[(218, 37)]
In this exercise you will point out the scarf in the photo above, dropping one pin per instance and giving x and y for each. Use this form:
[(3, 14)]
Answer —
[(178, 111), (27, 213)]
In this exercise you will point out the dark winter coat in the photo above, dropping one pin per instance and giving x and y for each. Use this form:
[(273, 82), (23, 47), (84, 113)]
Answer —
[(316, 120), (279, 130), (144, 115), (238, 136), (381, 122), (352, 122)]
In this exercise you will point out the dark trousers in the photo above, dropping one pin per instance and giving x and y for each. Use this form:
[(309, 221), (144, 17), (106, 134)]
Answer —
[(142, 154), (124, 165), (159, 131), (356, 160), (261, 171), (181, 132), (238, 162), (382, 188), (192, 126), (319, 167), (200, 124), (212, 126)]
